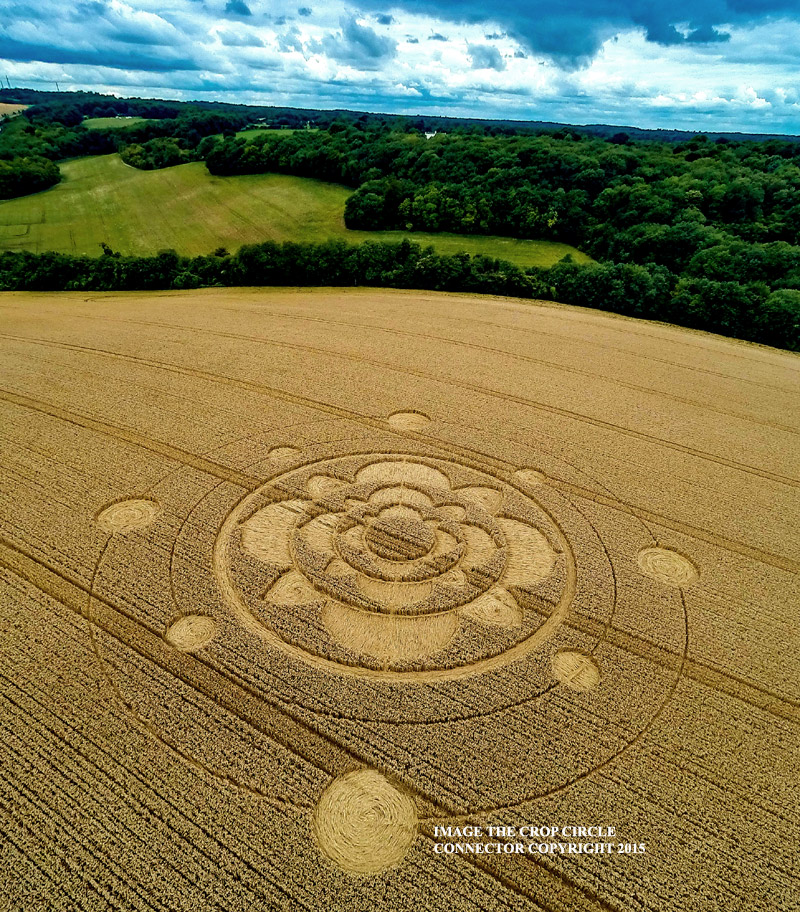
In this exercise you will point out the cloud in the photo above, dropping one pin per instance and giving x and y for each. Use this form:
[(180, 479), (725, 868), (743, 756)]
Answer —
[(290, 40), (707, 34), (163, 62), (485, 57), (572, 32), (702, 64), (238, 8), (239, 39), (358, 45)]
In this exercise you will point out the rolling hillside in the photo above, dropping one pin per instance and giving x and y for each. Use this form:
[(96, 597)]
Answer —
[(101, 199)]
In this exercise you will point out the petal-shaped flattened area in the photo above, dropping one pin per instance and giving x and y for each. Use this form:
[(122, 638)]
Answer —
[(322, 486), (389, 638), (397, 494), (454, 577), (400, 511), (444, 543), (530, 555), (292, 588), (451, 511), (412, 474), (265, 535), (496, 608), (353, 537), (409, 421), (338, 568), (530, 477), (392, 594), (489, 498), (480, 547), (319, 533)]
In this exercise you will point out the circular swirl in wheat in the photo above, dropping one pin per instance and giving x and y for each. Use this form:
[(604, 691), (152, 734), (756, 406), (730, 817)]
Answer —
[(363, 824), (127, 515), (409, 421), (191, 632), (667, 567)]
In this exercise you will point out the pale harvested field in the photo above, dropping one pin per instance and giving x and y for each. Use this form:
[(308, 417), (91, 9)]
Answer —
[(291, 577), (7, 108)]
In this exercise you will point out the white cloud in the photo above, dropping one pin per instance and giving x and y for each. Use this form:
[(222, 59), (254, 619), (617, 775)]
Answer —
[(393, 61)]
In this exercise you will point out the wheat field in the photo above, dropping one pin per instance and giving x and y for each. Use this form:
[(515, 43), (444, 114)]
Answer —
[(299, 587)]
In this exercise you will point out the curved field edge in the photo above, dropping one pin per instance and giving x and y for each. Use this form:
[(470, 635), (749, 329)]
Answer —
[(101, 199)]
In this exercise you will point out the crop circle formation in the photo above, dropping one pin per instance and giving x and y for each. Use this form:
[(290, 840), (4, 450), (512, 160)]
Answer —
[(394, 560), (334, 580), (127, 516), (667, 567), (363, 824), (192, 632)]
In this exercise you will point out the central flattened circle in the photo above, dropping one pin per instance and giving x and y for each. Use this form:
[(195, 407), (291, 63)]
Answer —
[(396, 567), (399, 534)]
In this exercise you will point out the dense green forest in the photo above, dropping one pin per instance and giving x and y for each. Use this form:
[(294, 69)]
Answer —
[(714, 225), (31, 142), (699, 232), (26, 174)]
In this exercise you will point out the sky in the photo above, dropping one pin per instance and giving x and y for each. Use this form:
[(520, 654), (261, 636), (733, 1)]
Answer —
[(715, 65)]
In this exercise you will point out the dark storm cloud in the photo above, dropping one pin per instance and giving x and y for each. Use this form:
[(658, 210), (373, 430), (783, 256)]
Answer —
[(572, 31), (384, 19), (122, 59), (90, 9), (237, 8), (706, 34), (290, 40), (485, 57), (304, 11)]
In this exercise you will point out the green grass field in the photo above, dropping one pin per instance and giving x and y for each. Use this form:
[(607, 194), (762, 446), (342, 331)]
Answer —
[(100, 123), (185, 208)]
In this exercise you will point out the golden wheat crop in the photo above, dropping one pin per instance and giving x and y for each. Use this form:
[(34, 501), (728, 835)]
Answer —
[(301, 585)]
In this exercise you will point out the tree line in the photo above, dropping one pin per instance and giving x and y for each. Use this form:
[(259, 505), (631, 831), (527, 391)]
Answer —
[(716, 223), (751, 312), (705, 232), (32, 143)]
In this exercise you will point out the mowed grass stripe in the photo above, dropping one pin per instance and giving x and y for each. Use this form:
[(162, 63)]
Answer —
[(101, 199), (115, 123)]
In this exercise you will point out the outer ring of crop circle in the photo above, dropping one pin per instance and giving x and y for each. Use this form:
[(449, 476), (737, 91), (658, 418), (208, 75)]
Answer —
[(519, 651)]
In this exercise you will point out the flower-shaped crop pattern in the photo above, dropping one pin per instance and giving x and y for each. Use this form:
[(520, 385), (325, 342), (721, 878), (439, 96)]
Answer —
[(396, 558)]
